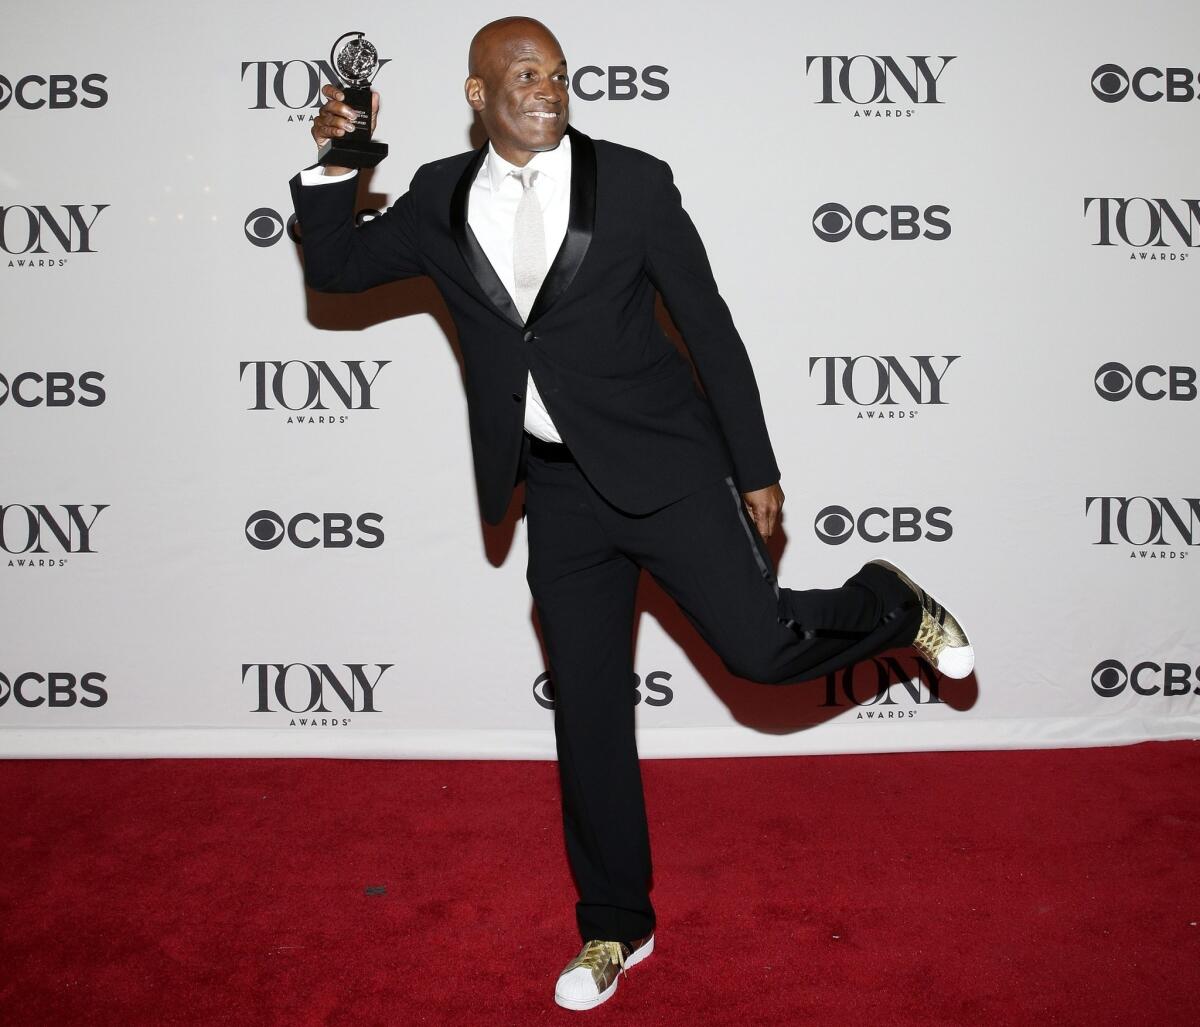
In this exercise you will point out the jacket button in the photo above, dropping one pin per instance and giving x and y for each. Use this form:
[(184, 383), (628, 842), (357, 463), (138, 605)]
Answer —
[(517, 397), (528, 336)]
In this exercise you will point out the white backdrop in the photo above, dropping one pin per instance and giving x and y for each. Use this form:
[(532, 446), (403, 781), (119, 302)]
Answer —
[(140, 140)]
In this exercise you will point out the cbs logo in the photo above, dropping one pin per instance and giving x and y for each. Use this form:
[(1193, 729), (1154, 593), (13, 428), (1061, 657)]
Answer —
[(835, 524), (54, 690), (1114, 381), (56, 92), (55, 389), (658, 692), (1110, 678), (833, 222), (1111, 83), (265, 529), (265, 226), (620, 83)]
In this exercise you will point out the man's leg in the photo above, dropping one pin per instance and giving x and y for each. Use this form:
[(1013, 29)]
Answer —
[(706, 553), (584, 591)]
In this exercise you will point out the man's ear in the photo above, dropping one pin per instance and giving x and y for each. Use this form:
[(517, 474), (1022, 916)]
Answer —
[(473, 88)]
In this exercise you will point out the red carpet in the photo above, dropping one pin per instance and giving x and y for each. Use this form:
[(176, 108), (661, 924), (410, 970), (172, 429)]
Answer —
[(1044, 887)]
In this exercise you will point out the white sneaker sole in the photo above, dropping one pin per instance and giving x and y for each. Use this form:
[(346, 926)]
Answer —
[(955, 661), (604, 996)]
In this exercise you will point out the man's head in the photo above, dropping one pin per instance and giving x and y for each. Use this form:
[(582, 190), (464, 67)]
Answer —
[(518, 84)]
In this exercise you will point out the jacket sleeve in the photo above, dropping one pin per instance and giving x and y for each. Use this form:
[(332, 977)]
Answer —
[(338, 257), (678, 266)]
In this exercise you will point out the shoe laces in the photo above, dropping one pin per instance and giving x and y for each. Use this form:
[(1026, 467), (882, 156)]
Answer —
[(931, 636), (596, 953), (933, 607), (930, 640)]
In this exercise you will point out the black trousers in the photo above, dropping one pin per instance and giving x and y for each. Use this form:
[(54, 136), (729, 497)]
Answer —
[(584, 560)]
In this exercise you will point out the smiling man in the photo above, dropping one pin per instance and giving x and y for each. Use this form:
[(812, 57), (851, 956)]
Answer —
[(549, 247)]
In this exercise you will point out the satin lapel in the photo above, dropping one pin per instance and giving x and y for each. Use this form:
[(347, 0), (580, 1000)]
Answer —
[(472, 253), (580, 224)]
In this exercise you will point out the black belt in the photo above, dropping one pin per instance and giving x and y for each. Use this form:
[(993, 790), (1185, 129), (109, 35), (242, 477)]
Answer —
[(554, 452)]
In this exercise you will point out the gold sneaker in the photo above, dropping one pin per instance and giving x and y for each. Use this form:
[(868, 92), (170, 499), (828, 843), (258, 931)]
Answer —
[(591, 977), (940, 638)]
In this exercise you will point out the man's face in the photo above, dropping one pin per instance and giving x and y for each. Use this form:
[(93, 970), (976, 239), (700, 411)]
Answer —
[(521, 94)]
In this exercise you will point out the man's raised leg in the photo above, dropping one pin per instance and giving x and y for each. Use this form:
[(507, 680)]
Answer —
[(708, 556)]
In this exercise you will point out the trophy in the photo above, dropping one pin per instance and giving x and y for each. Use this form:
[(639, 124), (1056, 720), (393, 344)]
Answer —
[(355, 64)]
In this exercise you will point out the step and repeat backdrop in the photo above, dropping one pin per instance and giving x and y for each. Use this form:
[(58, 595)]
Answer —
[(961, 247)]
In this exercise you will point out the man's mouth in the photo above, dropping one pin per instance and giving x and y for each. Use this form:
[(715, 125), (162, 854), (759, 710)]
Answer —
[(544, 115)]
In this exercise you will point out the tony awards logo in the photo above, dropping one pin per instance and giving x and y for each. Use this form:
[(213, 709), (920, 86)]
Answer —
[(355, 60)]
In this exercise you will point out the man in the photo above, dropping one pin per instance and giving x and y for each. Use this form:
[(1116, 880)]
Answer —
[(548, 247)]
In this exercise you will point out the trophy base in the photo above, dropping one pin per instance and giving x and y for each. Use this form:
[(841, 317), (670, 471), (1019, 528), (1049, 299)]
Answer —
[(352, 153)]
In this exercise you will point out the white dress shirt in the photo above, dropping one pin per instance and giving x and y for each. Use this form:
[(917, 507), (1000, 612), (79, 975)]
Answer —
[(491, 213)]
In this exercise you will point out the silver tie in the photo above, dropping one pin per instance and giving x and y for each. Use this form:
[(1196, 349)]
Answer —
[(529, 244)]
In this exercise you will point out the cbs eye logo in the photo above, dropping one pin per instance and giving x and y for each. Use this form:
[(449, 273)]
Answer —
[(1113, 381), (1110, 83), (264, 529), (832, 222), (264, 227), (1109, 678), (834, 525)]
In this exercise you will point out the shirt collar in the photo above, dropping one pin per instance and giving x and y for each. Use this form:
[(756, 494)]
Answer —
[(553, 164)]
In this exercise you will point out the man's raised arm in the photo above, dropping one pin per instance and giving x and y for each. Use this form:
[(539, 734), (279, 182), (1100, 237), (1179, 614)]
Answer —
[(338, 257)]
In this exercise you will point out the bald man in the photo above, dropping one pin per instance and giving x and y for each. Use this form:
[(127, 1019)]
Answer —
[(549, 247)]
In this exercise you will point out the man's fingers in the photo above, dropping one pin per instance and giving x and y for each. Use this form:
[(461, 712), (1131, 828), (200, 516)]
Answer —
[(337, 118), (763, 506), (757, 517), (765, 517), (338, 110), (341, 110), (329, 124)]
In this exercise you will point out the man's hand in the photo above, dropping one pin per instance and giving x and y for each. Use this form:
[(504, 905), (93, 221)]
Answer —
[(337, 119), (764, 505)]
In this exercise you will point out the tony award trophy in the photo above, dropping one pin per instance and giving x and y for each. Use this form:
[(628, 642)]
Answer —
[(355, 64)]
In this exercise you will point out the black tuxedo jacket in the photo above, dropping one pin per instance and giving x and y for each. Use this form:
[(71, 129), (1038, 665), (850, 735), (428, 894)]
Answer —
[(621, 395)]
